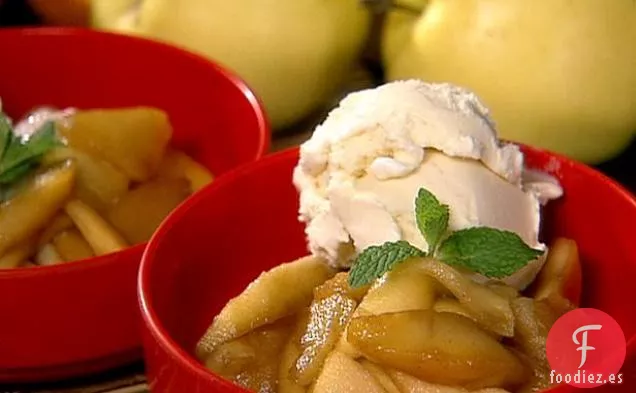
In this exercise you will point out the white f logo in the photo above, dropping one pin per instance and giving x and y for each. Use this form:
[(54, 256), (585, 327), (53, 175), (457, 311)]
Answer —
[(583, 344)]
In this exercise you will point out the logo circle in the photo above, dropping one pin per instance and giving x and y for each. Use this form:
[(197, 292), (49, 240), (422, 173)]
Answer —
[(586, 348)]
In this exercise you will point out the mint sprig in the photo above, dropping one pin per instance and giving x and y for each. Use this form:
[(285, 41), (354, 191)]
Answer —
[(491, 252), (487, 251), (374, 261), (431, 217), (18, 156)]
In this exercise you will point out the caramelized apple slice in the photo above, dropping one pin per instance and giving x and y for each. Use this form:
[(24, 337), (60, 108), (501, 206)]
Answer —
[(251, 361), (559, 281), (48, 255), (16, 256), (275, 294), (380, 376), (132, 139), (60, 223), (406, 287), (533, 320), (102, 238), (98, 183), (339, 284), (28, 212), (452, 306), (441, 348), (232, 357), (328, 319), (342, 374), (489, 309), (504, 290), (138, 213), (410, 384), (178, 165), (292, 351), (72, 246)]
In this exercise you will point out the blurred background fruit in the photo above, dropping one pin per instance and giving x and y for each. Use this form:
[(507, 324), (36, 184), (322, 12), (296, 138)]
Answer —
[(556, 74), (63, 12), (295, 54), (114, 14)]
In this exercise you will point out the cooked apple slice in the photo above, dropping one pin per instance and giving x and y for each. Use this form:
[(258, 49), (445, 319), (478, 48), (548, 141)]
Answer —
[(48, 255), (380, 376), (292, 351), (410, 384), (504, 290), (132, 139), (559, 281), (440, 348), (58, 224), (28, 212), (406, 287), (99, 184), (451, 305), (137, 214), (252, 361), (99, 234), (328, 318), (533, 320), (16, 256), (342, 374), (232, 357), (275, 294), (178, 165), (72, 246), (339, 284), (489, 308)]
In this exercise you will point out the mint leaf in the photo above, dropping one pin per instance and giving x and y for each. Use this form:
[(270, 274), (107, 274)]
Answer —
[(374, 261), (431, 217), (43, 140), (20, 157), (18, 152), (5, 134), (16, 173), (491, 252)]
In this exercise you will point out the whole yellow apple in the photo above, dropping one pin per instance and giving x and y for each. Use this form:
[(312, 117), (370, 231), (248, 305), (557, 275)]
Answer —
[(114, 14), (558, 74), (295, 54)]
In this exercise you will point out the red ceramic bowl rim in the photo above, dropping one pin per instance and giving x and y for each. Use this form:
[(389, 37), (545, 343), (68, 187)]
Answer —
[(264, 133), (149, 315)]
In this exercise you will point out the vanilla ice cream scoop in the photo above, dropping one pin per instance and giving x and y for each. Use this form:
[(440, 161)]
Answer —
[(359, 174)]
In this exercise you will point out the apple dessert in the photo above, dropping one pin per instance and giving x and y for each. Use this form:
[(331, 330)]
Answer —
[(75, 184), (426, 270), (399, 321)]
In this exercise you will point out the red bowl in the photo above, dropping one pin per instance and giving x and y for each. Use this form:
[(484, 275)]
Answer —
[(82, 317), (212, 246)]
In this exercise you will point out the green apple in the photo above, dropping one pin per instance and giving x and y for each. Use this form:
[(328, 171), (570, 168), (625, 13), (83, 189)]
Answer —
[(295, 54), (557, 74)]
